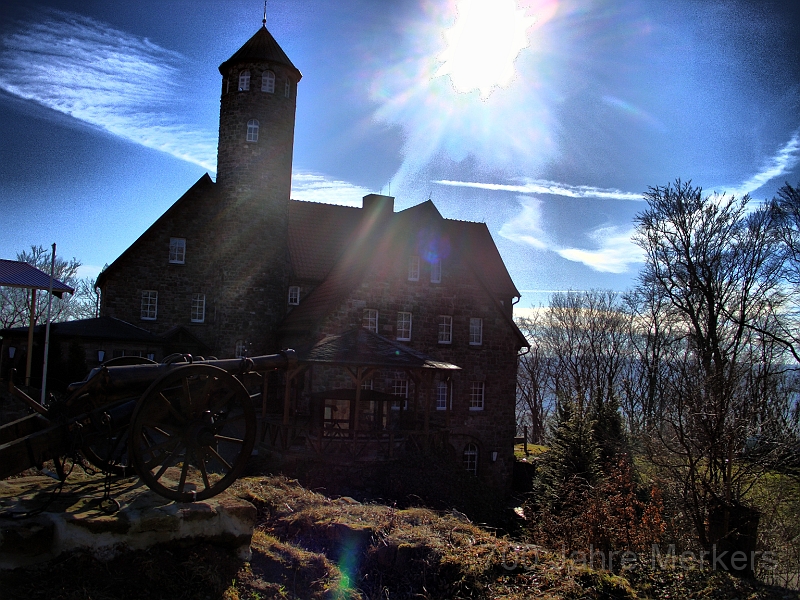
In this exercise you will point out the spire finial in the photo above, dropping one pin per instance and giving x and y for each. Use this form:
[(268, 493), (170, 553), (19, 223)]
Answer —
[(264, 22)]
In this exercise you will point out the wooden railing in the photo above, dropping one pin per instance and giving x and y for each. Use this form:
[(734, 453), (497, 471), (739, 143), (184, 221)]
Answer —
[(336, 443)]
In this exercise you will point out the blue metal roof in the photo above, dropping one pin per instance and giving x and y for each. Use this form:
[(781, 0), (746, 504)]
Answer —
[(14, 273)]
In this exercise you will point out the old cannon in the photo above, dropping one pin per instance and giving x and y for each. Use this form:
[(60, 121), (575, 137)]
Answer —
[(186, 427)]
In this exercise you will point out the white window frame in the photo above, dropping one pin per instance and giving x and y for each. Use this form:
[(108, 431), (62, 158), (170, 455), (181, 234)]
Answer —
[(477, 395), (470, 458), (244, 80), (413, 268), (436, 271), (369, 320), (294, 295), (442, 395), (268, 82), (475, 331), (252, 130), (198, 311), (177, 250), (400, 389), (404, 326), (149, 308), (445, 329)]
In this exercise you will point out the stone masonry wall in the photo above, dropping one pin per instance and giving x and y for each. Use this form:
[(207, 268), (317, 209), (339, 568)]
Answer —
[(494, 362)]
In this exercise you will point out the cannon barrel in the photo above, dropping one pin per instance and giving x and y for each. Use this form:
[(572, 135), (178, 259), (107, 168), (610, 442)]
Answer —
[(124, 380)]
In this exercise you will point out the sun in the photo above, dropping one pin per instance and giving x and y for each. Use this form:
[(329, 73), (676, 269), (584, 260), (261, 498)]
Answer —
[(483, 44)]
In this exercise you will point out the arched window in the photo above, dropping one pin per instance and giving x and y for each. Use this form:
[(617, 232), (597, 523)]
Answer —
[(244, 81), (471, 458), (268, 82), (252, 130)]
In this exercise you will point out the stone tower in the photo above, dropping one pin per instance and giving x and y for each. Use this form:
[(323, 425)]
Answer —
[(254, 179)]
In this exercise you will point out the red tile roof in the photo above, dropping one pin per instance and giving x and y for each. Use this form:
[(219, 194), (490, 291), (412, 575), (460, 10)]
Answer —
[(318, 234), (14, 273), (335, 245), (360, 347)]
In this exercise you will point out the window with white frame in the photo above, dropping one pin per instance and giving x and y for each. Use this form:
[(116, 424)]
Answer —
[(198, 308), (366, 384), (240, 349), (471, 458), (177, 250), (413, 268), (268, 82), (369, 320), (436, 271), (244, 81), (286, 89), (441, 395), (404, 326), (475, 331), (294, 295), (149, 305), (400, 389), (476, 389), (252, 130), (445, 329)]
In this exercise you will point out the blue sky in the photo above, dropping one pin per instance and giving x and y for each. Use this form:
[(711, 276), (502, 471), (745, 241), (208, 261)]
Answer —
[(545, 119)]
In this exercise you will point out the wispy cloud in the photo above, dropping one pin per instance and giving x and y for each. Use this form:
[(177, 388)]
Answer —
[(614, 252), (313, 187), (542, 186), (526, 227), (106, 77), (611, 251), (784, 160)]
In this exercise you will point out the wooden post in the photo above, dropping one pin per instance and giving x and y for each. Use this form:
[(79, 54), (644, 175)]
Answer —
[(30, 337), (525, 441), (287, 397)]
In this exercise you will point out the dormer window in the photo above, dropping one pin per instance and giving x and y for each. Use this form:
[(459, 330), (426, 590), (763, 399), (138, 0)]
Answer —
[(436, 271), (413, 268), (252, 130), (268, 82), (177, 251), (244, 81)]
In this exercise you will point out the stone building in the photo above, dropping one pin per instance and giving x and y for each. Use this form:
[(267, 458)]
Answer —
[(247, 271)]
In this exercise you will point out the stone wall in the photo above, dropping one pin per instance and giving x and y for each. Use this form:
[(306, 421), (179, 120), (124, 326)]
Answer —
[(494, 362)]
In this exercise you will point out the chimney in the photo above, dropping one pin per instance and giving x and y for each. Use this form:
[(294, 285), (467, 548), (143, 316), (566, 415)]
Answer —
[(380, 206)]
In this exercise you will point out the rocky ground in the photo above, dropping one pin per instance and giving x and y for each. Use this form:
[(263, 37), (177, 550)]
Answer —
[(308, 545)]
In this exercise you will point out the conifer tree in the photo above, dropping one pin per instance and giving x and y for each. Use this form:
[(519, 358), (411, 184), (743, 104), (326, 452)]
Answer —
[(573, 458)]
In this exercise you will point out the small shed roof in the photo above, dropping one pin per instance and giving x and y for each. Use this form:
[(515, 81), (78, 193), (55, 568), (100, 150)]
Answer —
[(364, 348), (14, 273)]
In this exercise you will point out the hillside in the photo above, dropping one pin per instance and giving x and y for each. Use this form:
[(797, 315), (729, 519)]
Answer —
[(311, 546)]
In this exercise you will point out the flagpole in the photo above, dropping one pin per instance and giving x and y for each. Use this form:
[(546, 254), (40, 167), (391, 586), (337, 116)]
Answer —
[(47, 326)]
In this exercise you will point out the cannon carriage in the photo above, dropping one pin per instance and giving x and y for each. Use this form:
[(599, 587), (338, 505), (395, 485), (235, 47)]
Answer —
[(186, 427)]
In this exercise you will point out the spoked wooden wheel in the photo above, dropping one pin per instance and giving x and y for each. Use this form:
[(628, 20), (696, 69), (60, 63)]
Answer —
[(192, 433)]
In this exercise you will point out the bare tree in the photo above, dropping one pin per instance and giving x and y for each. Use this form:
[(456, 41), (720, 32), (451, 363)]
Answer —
[(533, 380), (711, 268), (15, 302), (579, 350)]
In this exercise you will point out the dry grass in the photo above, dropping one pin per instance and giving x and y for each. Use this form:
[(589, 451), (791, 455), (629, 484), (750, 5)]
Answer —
[(310, 546)]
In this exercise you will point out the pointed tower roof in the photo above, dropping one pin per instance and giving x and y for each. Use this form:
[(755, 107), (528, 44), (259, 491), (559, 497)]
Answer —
[(262, 47)]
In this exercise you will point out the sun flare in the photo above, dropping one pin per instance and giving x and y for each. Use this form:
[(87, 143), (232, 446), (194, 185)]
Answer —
[(483, 44)]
